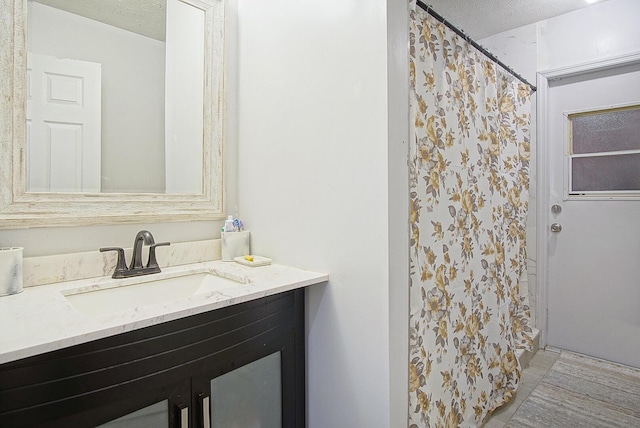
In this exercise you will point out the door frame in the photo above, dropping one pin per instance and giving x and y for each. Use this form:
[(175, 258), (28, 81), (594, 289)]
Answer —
[(542, 170)]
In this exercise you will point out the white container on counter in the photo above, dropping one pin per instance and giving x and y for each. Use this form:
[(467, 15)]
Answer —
[(10, 270), (235, 244)]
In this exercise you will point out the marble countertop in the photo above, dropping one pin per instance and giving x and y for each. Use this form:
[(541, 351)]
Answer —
[(41, 319)]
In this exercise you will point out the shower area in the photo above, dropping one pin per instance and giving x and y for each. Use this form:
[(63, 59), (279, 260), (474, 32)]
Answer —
[(469, 154)]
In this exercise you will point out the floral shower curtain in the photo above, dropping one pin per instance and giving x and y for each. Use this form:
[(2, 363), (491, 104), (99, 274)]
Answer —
[(469, 178)]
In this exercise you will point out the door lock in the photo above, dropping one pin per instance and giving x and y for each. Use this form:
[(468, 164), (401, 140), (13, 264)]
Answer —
[(556, 209), (556, 227)]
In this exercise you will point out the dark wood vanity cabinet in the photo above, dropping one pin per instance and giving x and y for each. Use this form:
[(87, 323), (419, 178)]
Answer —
[(169, 371)]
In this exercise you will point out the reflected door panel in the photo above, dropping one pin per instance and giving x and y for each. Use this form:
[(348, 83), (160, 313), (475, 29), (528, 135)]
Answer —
[(63, 115)]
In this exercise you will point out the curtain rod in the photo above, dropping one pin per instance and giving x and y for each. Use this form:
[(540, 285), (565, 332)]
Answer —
[(473, 43)]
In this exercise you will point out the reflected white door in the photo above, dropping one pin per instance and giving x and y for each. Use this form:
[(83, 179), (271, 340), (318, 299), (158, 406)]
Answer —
[(594, 260), (63, 124)]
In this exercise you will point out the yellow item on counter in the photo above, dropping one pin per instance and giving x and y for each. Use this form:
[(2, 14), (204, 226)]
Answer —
[(252, 261)]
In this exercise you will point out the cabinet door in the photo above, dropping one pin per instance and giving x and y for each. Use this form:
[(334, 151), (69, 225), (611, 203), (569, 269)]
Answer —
[(254, 386), (166, 407), (155, 415), (260, 373), (249, 396), (170, 412)]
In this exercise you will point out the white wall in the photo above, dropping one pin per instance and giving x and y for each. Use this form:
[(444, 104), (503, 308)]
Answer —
[(398, 206), (132, 95), (322, 179), (596, 32), (518, 48)]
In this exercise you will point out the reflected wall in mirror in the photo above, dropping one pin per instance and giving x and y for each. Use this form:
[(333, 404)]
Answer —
[(115, 96), (159, 161)]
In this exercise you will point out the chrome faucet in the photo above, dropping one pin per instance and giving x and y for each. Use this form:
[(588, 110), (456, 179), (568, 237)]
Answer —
[(136, 268)]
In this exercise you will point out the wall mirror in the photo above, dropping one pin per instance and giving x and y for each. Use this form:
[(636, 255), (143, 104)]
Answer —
[(117, 112)]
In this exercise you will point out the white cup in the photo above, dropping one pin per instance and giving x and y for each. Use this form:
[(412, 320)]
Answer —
[(10, 270)]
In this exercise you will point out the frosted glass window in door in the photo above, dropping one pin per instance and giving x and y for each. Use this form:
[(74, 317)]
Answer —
[(604, 151), (606, 130), (154, 416), (250, 396), (604, 173)]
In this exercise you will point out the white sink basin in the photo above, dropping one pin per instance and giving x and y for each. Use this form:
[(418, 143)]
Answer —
[(125, 295)]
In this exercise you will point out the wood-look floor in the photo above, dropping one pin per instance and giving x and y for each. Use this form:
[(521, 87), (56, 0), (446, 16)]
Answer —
[(569, 390)]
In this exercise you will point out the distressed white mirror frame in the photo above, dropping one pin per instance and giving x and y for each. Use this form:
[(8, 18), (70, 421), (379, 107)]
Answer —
[(19, 208)]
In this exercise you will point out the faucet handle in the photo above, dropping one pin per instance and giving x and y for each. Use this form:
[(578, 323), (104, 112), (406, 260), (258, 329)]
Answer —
[(153, 261), (121, 264)]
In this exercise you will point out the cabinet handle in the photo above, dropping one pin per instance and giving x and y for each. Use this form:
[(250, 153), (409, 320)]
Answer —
[(184, 417), (206, 413)]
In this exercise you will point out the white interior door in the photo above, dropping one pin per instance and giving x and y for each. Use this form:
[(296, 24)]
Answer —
[(63, 124), (594, 177)]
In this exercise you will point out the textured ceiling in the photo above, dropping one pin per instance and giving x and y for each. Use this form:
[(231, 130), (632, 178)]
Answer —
[(482, 18), (477, 18), (146, 17)]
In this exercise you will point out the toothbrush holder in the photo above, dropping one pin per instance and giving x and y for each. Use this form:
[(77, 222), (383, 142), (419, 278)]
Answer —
[(10, 270), (235, 244)]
